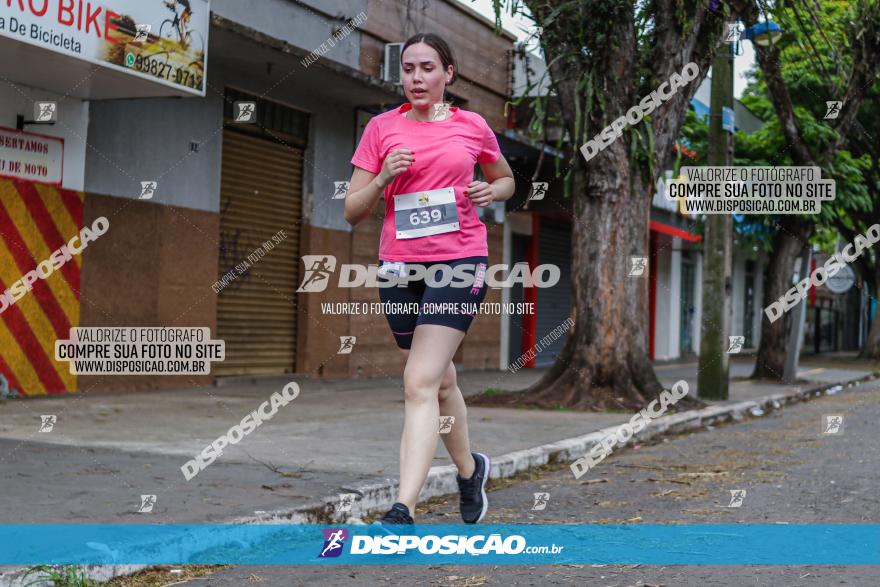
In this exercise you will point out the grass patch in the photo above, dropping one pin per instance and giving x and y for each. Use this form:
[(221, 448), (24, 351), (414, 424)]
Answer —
[(489, 392), (161, 576), (75, 576), (59, 576)]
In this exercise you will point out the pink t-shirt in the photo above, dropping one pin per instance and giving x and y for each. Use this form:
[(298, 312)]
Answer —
[(445, 152)]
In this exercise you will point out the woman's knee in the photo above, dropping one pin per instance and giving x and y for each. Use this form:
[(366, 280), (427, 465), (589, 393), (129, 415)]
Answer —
[(449, 383), (418, 385)]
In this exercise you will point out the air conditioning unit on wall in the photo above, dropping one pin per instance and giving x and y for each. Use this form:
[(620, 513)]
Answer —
[(392, 71)]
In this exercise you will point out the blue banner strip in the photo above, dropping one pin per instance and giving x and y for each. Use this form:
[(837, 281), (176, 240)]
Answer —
[(285, 544)]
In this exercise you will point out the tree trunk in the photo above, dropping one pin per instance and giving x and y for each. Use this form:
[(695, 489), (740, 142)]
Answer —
[(594, 62), (787, 245), (604, 362)]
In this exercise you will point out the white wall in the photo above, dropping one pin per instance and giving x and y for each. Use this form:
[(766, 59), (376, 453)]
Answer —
[(72, 124), (298, 24), (148, 139), (738, 283), (738, 321), (675, 310), (759, 301), (668, 304)]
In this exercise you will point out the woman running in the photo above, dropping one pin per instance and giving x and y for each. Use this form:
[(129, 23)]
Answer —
[(421, 156)]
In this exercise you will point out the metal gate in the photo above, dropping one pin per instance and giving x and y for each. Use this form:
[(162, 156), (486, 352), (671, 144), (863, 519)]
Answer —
[(554, 303), (258, 270)]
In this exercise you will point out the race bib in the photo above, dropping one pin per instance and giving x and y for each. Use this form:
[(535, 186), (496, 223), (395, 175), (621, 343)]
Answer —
[(395, 268), (425, 213)]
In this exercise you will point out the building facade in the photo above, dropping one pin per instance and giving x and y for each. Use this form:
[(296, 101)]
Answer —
[(161, 107), (316, 72)]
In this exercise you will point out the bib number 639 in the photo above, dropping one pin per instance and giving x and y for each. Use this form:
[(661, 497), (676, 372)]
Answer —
[(425, 216)]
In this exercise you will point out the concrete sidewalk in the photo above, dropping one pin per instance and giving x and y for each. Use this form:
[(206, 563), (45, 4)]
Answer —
[(105, 451)]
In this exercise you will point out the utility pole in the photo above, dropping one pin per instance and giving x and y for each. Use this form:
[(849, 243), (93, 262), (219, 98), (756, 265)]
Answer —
[(713, 378)]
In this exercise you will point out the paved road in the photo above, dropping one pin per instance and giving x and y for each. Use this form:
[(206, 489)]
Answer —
[(790, 471), (105, 451)]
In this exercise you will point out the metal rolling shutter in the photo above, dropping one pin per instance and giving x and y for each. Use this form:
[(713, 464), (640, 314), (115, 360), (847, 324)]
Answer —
[(260, 194), (554, 302), (519, 245)]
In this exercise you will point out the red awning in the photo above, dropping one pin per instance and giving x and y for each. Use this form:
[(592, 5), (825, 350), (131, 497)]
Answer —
[(672, 231)]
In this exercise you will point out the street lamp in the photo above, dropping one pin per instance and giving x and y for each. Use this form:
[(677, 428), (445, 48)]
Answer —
[(763, 33)]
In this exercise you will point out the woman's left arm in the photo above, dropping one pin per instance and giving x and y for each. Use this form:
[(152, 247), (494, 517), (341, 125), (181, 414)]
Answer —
[(499, 187)]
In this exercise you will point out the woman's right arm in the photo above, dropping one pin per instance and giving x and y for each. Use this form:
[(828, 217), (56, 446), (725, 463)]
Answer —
[(365, 188)]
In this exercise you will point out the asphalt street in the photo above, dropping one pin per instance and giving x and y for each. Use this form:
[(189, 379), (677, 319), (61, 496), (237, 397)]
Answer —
[(791, 472)]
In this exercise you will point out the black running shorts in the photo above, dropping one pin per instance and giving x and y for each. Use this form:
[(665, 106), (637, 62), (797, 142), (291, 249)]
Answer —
[(436, 298)]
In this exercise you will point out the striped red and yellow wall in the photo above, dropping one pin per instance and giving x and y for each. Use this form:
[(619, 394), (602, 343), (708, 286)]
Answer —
[(35, 221)]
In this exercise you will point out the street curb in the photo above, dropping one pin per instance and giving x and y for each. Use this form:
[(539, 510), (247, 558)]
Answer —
[(376, 496)]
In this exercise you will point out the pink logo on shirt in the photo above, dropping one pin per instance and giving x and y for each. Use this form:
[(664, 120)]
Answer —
[(478, 281)]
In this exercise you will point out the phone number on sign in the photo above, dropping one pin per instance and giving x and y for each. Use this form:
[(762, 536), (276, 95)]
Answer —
[(158, 68)]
